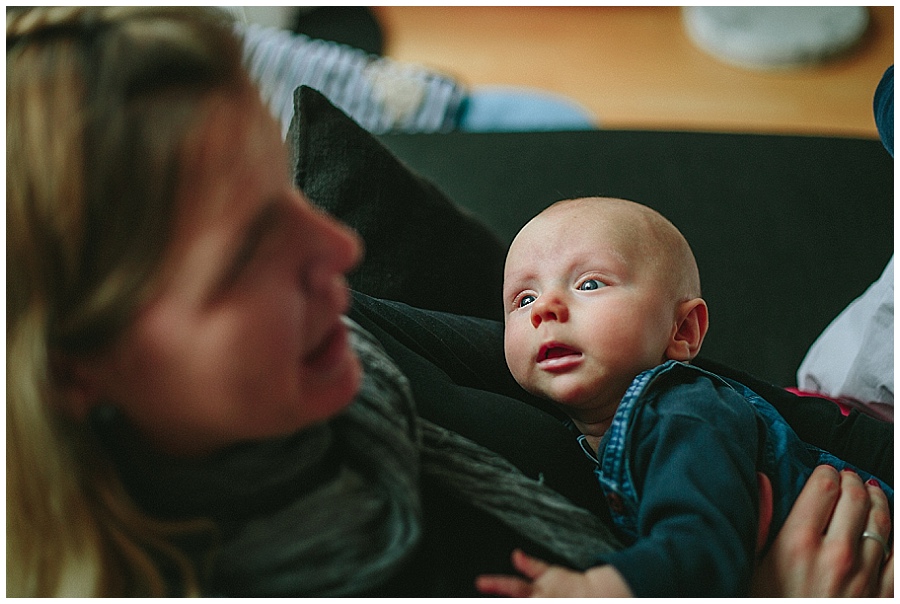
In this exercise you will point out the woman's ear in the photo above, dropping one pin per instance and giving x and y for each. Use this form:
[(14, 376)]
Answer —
[(692, 321), (78, 384)]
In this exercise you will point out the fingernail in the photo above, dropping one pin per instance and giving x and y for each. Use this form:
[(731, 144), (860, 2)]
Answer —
[(873, 482), (849, 470)]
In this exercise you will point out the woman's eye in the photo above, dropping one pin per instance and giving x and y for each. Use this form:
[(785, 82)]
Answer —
[(590, 284), (526, 300)]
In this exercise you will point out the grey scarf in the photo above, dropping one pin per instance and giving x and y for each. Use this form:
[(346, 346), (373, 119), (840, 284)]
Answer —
[(335, 510)]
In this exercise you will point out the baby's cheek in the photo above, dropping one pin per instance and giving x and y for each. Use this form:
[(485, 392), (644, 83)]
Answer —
[(513, 349), (527, 377)]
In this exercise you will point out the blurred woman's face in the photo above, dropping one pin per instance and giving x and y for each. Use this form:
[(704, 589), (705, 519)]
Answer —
[(243, 339)]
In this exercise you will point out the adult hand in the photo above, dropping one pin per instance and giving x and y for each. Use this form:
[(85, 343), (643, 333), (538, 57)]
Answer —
[(820, 552), (886, 585)]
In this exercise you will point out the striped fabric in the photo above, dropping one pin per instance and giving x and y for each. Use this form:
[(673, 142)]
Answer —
[(380, 94)]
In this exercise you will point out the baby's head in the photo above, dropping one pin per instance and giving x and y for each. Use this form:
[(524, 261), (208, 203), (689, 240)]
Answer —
[(597, 290)]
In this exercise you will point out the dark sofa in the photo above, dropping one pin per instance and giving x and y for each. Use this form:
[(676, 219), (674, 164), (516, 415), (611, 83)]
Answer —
[(787, 230)]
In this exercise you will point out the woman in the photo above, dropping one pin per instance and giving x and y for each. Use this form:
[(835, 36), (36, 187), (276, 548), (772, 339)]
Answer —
[(180, 374)]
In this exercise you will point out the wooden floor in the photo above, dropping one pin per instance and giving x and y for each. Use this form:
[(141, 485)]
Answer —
[(634, 67)]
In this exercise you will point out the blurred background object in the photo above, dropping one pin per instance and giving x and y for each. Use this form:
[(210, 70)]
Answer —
[(351, 25), (636, 67), (775, 37), (630, 67)]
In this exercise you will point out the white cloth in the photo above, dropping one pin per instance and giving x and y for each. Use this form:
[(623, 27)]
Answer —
[(853, 359)]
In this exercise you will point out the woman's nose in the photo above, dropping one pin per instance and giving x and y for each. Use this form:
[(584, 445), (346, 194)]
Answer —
[(333, 249), (548, 307), (344, 244)]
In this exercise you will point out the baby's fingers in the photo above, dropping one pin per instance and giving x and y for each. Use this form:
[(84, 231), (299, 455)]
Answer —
[(503, 585), (528, 566), (514, 587)]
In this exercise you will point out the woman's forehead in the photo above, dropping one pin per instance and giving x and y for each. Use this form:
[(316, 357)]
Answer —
[(235, 139)]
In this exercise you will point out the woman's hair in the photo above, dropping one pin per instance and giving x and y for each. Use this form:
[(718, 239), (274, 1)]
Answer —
[(100, 101)]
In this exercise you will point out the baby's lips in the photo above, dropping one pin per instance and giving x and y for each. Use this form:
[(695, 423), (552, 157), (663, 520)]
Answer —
[(553, 350)]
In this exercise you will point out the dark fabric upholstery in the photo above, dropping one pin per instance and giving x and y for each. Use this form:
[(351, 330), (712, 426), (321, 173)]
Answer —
[(787, 230), (421, 248)]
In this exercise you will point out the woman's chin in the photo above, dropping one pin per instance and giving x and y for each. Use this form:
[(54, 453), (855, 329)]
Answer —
[(352, 381), (342, 387)]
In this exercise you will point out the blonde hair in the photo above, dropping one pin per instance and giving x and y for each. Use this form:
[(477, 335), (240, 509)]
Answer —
[(99, 103)]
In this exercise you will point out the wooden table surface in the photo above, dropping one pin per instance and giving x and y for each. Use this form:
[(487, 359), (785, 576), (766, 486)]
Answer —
[(635, 68)]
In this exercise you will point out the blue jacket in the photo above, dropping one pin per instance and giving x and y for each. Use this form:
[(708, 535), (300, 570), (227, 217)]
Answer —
[(678, 469)]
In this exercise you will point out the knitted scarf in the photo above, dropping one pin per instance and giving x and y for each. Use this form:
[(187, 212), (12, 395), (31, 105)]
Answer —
[(335, 509)]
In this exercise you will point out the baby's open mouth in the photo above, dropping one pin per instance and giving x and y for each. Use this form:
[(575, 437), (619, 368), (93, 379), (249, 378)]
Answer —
[(555, 351), (558, 358)]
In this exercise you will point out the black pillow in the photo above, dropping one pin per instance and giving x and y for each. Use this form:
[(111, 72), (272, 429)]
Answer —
[(421, 248)]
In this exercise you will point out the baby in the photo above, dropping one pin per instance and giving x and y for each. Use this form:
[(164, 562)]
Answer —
[(603, 316)]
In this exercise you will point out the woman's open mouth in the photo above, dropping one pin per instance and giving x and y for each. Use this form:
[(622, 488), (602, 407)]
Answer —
[(330, 350)]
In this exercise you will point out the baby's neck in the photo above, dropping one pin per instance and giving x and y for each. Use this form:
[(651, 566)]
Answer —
[(593, 431), (593, 418)]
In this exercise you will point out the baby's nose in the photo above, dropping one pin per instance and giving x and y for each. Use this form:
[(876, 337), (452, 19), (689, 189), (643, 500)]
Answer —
[(548, 307)]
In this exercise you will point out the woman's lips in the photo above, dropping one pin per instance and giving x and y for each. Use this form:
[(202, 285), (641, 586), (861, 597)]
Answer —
[(558, 357), (331, 351)]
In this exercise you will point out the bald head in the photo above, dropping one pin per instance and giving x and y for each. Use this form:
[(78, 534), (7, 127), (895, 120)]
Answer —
[(637, 231)]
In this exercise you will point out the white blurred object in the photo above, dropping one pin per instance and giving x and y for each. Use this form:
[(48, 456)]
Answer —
[(380, 94), (853, 359), (774, 37), (281, 17)]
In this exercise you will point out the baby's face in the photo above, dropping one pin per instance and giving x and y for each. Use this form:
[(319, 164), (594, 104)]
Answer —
[(586, 307)]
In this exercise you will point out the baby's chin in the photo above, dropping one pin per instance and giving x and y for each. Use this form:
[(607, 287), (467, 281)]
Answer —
[(581, 403), (572, 400)]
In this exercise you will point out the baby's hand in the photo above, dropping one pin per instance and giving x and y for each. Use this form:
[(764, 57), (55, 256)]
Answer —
[(546, 581)]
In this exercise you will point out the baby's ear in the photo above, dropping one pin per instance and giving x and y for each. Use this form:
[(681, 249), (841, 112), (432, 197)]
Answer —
[(692, 321)]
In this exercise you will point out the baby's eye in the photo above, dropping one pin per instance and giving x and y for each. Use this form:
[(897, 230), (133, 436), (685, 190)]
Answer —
[(525, 300), (590, 284)]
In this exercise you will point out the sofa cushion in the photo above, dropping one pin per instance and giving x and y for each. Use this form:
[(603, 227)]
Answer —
[(421, 248)]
